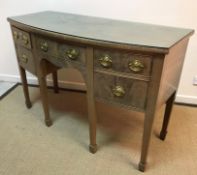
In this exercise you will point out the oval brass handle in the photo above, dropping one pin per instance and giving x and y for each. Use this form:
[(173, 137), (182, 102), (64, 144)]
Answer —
[(16, 35), (25, 39), (24, 58), (118, 91), (44, 46), (105, 61), (136, 66), (72, 54)]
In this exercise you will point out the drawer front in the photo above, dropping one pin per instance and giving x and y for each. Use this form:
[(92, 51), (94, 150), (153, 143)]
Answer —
[(62, 52), (25, 59), (120, 90), (21, 38), (125, 62)]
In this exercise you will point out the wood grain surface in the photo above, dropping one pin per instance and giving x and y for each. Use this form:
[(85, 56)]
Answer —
[(108, 30)]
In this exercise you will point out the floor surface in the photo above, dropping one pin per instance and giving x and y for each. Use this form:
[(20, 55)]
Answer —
[(28, 147)]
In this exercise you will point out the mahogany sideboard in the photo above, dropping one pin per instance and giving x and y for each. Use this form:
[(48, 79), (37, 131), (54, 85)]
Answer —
[(132, 65)]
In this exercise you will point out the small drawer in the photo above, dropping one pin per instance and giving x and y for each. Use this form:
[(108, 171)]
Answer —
[(21, 38), (120, 90), (61, 51), (25, 59), (125, 62)]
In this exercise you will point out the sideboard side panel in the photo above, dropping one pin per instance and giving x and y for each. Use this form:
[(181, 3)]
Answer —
[(173, 64)]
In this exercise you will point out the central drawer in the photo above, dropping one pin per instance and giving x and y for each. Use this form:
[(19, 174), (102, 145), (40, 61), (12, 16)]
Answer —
[(59, 53), (120, 90)]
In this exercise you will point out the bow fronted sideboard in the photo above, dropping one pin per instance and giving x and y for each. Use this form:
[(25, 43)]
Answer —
[(131, 65)]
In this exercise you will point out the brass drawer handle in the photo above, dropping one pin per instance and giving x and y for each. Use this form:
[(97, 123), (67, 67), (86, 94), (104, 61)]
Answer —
[(16, 35), (118, 91), (44, 46), (72, 54), (24, 58), (136, 66), (25, 40), (106, 61)]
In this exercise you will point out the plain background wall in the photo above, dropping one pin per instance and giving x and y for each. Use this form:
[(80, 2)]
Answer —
[(179, 13)]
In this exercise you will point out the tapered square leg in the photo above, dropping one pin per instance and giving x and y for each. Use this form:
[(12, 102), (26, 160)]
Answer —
[(92, 127), (167, 114), (43, 91), (25, 87), (44, 97), (151, 107), (91, 101), (148, 124)]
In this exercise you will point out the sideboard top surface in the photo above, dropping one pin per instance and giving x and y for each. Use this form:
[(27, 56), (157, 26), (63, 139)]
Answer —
[(107, 30)]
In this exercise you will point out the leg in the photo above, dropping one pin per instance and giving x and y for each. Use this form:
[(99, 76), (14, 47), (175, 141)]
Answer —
[(92, 123), (55, 82), (168, 110), (151, 107), (44, 97), (25, 87), (148, 123), (91, 101)]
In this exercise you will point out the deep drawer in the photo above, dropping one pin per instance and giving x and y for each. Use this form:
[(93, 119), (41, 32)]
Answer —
[(25, 59), (120, 90), (21, 38), (123, 62)]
